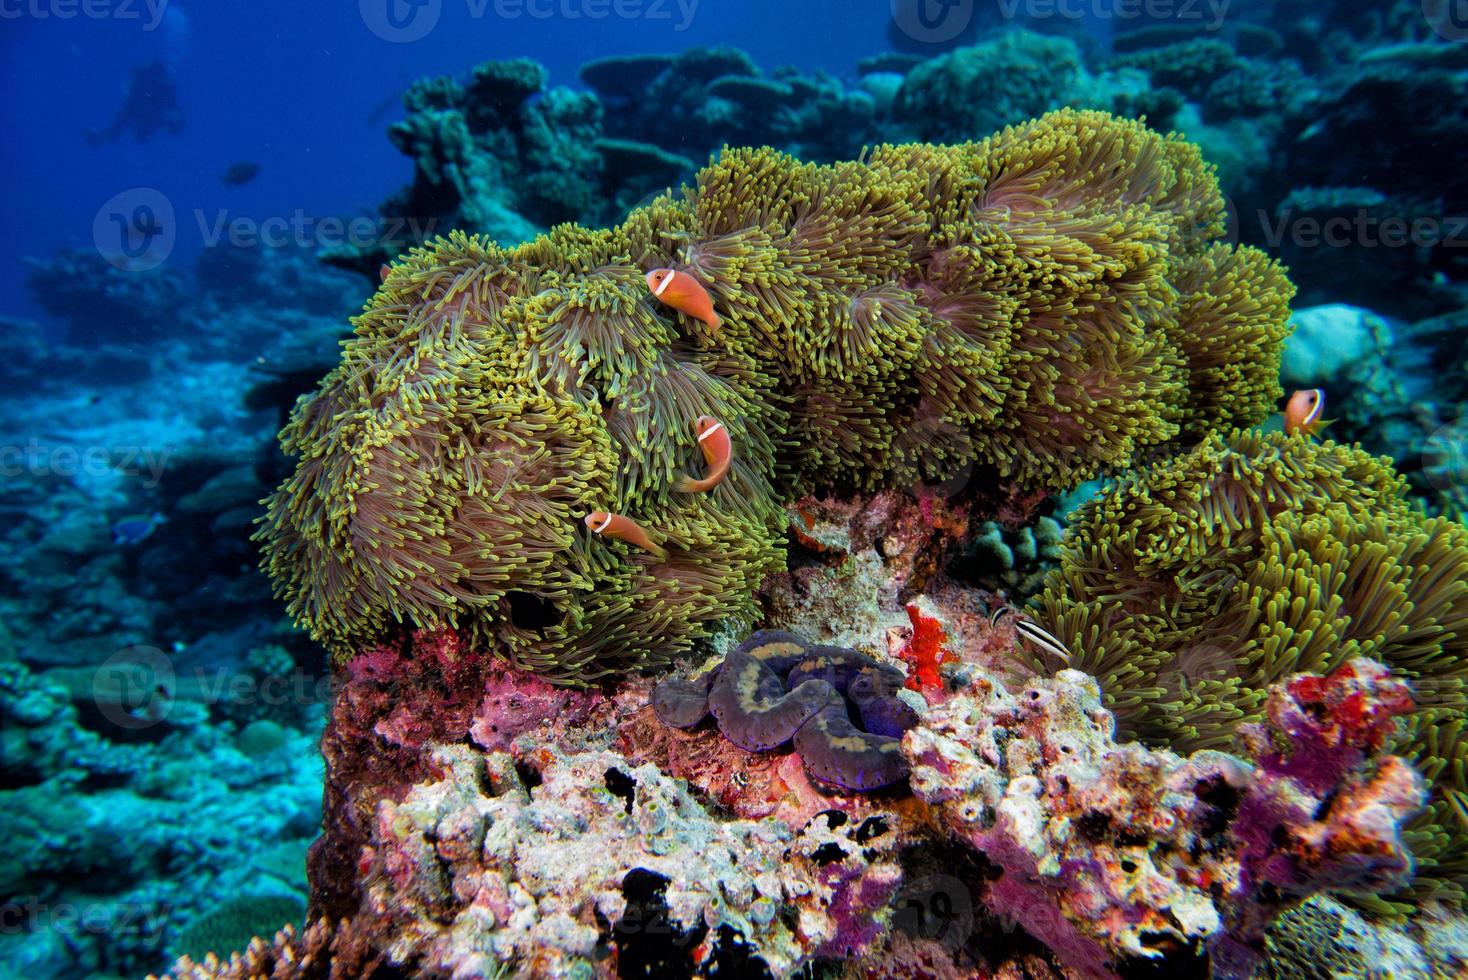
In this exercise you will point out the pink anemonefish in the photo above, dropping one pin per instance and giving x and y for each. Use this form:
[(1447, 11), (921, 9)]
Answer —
[(684, 293), (718, 452), (623, 529), (1303, 412)]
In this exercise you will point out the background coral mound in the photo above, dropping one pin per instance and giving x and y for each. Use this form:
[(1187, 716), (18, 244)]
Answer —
[(1045, 301), (1196, 583)]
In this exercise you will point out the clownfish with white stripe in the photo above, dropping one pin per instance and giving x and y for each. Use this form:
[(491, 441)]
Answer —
[(1302, 414), (683, 293), (623, 529), (718, 452)]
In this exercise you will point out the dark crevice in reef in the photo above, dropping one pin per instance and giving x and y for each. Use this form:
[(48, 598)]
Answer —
[(529, 775), (649, 944), (1223, 801), (1177, 962), (871, 828), (734, 959), (623, 785), (19, 777), (833, 818), (941, 901), (529, 611)]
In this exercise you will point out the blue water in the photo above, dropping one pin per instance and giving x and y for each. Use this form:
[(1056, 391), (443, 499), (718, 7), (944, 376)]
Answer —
[(292, 86)]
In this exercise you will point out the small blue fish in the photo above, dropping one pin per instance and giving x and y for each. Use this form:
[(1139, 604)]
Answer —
[(135, 529)]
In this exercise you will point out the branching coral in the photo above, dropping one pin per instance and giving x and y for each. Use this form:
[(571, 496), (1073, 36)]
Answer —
[(1193, 585), (1023, 294)]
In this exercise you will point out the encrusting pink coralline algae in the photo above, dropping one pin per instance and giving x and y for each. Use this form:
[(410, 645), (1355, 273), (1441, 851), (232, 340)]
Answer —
[(1111, 852)]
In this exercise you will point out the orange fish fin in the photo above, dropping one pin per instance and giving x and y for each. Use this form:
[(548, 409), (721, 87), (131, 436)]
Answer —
[(687, 484)]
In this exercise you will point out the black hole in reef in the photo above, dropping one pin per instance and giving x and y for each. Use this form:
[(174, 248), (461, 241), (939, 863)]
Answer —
[(870, 829), (529, 611), (828, 854), (529, 775), (1093, 826), (648, 943), (623, 785), (834, 818), (1128, 865), (1177, 962), (1222, 800), (21, 776), (734, 959)]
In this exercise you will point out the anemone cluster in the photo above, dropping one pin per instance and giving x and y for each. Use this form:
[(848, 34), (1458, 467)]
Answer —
[(1046, 302), (1195, 583)]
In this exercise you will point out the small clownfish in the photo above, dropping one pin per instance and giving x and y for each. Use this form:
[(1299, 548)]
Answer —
[(1303, 410), (718, 452), (684, 293), (623, 529), (384, 271)]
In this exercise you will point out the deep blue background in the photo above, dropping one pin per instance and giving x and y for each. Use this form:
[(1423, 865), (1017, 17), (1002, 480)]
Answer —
[(290, 84)]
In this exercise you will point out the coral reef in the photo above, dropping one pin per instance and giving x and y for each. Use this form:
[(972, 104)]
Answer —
[(1012, 561), (96, 802), (989, 86), (711, 97), (141, 804), (232, 925), (1053, 311), (1145, 855), (919, 349), (636, 834), (562, 854), (1196, 583), (1324, 940)]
